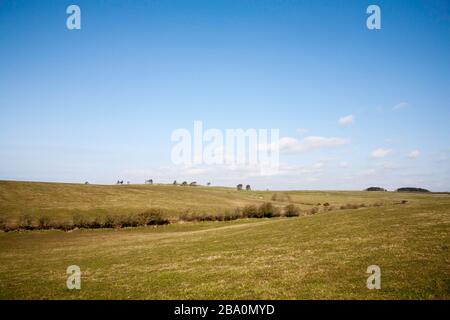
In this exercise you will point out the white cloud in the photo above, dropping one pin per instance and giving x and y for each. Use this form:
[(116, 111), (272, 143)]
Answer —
[(401, 105), (343, 164), (345, 121), (292, 145), (380, 153), (413, 154), (302, 130), (318, 165)]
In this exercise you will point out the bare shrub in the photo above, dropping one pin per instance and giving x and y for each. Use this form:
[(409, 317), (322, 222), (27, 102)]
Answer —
[(152, 217), (109, 222), (236, 214), (266, 210), (314, 210), (80, 221), (96, 223), (291, 211), (44, 223), (282, 197), (349, 206), (3, 224), (128, 221), (26, 222), (250, 211), (63, 225), (11, 227), (187, 216), (208, 217), (228, 216), (277, 212)]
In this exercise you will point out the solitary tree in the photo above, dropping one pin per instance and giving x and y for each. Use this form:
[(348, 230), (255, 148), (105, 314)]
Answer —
[(193, 183), (174, 182), (208, 184), (184, 183), (248, 188), (239, 187)]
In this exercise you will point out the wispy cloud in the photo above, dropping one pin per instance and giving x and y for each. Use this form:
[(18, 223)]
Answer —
[(380, 153), (413, 154), (292, 145), (346, 120), (343, 164), (401, 105)]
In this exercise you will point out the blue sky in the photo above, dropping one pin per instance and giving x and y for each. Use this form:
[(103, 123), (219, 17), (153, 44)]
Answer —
[(100, 103)]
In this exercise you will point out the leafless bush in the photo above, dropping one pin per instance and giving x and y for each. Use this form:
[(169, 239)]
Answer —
[(281, 197), (63, 225), (349, 206), (291, 211), (187, 216), (44, 223), (250, 211), (267, 210), (152, 217), (109, 222), (236, 214), (3, 224), (80, 221), (11, 227), (26, 222)]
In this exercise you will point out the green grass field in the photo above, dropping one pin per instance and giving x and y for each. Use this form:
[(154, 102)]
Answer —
[(321, 256)]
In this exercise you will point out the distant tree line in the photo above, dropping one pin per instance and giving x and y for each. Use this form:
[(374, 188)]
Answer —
[(406, 189)]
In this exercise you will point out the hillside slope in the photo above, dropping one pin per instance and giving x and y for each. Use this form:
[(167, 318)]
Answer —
[(312, 257), (62, 201)]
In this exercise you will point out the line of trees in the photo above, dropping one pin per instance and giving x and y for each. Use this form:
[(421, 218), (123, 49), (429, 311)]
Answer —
[(407, 189)]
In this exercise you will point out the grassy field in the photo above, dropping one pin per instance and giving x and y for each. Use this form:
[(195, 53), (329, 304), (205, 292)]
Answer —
[(310, 257), (63, 201)]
